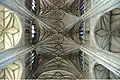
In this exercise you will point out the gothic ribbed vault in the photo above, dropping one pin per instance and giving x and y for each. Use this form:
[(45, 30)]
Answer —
[(59, 21)]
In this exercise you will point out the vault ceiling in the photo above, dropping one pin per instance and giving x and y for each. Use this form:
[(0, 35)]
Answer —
[(59, 23)]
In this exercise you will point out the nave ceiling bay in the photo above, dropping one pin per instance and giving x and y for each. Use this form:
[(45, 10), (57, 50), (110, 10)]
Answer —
[(59, 25)]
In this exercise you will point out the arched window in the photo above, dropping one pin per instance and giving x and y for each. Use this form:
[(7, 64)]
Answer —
[(33, 6), (33, 33), (81, 7)]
